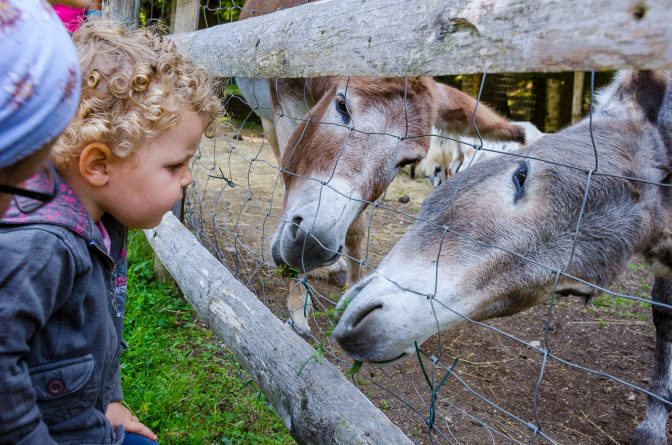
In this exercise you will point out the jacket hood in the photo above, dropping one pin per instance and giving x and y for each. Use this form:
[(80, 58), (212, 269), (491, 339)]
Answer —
[(65, 210)]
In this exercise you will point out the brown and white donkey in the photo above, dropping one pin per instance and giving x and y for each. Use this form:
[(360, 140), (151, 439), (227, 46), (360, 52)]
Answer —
[(340, 142), (528, 208)]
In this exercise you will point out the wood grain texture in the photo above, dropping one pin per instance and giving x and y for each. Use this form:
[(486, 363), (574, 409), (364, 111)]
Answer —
[(439, 37), (126, 11), (184, 15)]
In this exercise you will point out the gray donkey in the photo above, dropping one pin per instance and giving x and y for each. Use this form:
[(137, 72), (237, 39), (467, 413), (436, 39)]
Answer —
[(529, 207)]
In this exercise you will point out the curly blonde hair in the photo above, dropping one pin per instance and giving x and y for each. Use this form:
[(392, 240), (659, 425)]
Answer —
[(135, 86)]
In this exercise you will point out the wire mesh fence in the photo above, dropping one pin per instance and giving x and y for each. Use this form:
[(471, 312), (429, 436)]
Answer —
[(568, 370), (234, 209)]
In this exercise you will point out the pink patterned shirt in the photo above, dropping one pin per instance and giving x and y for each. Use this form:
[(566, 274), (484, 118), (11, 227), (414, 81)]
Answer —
[(71, 17), (106, 237)]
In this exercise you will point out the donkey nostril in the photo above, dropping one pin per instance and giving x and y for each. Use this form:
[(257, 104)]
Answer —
[(364, 314), (294, 226)]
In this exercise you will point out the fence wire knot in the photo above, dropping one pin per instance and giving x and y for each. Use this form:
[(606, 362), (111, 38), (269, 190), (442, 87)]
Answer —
[(533, 427), (434, 389), (304, 282), (229, 182)]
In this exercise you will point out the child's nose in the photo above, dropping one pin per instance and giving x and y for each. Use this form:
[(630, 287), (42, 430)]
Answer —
[(187, 179)]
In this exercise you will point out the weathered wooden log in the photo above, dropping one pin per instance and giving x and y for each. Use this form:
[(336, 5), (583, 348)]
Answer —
[(553, 98), (184, 16), (577, 97), (317, 404), (439, 37), (126, 11)]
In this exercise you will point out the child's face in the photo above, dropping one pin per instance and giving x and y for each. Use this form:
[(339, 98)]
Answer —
[(146, 186)]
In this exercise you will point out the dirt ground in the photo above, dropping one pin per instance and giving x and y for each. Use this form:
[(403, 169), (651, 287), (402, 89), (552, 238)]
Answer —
[(608, 335)]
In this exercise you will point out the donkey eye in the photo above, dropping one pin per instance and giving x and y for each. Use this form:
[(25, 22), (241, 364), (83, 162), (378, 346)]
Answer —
[(342, 108), (519, 178)]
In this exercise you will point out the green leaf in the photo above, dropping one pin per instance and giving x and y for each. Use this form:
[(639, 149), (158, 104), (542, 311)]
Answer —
[(354, 369)]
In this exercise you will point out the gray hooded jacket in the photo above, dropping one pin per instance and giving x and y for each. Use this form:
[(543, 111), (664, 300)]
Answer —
[(62, 302)]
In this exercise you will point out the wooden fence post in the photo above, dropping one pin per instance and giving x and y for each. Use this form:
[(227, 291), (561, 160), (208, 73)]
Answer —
[(126, 11), (553, 98), (471, 84), (183, 18), (577, 97)]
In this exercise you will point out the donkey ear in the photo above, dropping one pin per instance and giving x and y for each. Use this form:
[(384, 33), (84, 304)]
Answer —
[(456, 115), (319, 87), (290, 90), (635, 92)]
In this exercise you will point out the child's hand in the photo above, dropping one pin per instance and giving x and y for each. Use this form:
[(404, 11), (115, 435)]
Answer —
[(118, 414)]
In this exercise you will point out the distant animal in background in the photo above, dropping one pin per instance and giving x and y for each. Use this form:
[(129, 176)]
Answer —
[(450, 153)]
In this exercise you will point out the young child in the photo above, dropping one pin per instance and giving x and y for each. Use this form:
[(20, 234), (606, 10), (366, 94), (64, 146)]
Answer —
[(121, 163)]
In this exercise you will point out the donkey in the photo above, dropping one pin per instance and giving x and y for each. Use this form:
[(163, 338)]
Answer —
[(529, 209), (331, 137), (340, 142)]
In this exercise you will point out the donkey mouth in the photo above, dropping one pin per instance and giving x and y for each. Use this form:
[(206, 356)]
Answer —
[(334, 258), (276, 255), (391, 361), (576, 289), (306, 260)]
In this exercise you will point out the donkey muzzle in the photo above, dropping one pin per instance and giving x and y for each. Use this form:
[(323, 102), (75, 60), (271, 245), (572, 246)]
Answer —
[(305, 249)]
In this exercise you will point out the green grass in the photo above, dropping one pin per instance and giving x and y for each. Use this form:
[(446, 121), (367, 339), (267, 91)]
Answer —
[(621, 307), (626, 307), (176, 378), (250, 125)]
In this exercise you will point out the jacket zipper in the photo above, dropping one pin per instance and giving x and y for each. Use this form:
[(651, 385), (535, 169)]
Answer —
[(114, 295), (115, 264)]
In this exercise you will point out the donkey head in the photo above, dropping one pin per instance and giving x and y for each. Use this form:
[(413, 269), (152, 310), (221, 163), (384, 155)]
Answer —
[(354, 140), (490, 241)]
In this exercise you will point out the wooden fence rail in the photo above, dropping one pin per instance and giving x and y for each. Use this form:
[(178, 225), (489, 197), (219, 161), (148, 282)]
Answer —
[(317, 404), (439, 37)]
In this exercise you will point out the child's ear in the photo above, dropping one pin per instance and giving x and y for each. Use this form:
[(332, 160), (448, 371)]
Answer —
[(94, 164)]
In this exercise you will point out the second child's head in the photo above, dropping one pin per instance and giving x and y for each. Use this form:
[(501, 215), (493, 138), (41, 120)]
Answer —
[(143, 111)]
